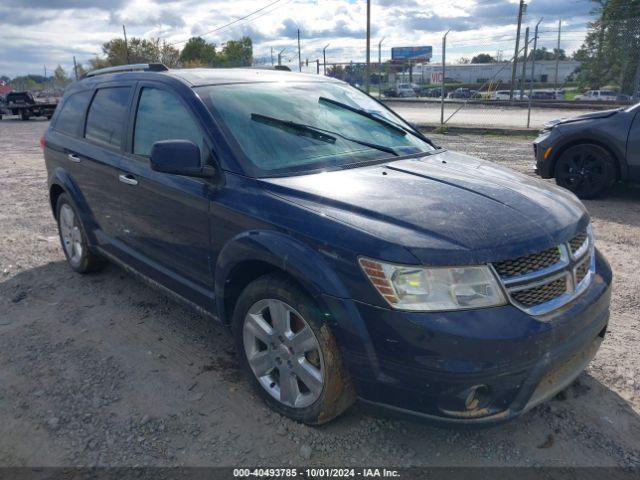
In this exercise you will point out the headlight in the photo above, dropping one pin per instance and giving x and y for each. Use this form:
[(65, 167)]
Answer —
[(431, 289)]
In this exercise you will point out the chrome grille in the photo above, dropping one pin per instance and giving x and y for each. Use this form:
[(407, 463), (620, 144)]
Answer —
[(578, 241), (530, 297), (582, 270), (528, 263), (543, 281)]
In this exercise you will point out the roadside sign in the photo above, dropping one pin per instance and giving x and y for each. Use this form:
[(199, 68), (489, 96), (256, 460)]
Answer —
[(412, 53)]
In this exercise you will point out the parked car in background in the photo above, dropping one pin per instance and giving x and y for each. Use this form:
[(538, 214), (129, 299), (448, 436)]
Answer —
[(543, 95), (25, 105), (505, 95), (461, 92), (597, 96), (401, 90), (587, 154), (469, 295), (404, 90), (433, 92)]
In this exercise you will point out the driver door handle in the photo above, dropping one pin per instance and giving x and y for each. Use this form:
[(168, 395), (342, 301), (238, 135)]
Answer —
[(128, 179), (73, 157)]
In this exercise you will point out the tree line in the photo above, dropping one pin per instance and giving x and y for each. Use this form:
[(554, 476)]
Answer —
[(197, 52)]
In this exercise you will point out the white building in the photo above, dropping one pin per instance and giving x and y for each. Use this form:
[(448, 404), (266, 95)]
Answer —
[(477, 73)]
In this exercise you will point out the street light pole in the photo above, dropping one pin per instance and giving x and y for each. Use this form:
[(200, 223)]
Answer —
[(533, 70), (380, 67), (299, 57), (324, 59), (126, 45), (444, 53), (524, 63), (515, 55), (367, 70)]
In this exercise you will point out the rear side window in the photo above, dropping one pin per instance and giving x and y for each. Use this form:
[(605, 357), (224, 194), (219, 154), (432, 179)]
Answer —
[(106, 117), (72, 114), (161, 116)]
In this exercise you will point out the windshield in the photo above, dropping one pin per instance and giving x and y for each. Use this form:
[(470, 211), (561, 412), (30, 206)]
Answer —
[(271, 123)]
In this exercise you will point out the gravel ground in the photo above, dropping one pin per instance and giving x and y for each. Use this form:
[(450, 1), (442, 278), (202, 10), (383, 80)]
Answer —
[(103, 370)]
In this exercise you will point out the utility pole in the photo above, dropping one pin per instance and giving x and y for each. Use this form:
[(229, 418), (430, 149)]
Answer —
[(444, 53), (75, 68), (272, 56), (280, 56), (318, 66), (533, 70), (126, 45), (636, 91), (524, 63), (380, 68), (299, 57), (367, 68), (515, 56), (557, 57), (324, 59)]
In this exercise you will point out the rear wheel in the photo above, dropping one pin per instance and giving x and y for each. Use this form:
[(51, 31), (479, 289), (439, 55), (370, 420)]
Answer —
[(289, 353), (73, 239), (587, 170), (25, 114)]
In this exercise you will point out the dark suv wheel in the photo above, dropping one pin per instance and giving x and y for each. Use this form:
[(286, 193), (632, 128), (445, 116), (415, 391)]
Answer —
[(587, 170), (74, 240), (289, 353)]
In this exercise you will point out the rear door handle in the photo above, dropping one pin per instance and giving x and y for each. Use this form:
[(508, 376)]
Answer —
[(128, 179), (73, 157)]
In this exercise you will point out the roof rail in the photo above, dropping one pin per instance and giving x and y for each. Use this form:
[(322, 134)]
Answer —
[(135, 67)]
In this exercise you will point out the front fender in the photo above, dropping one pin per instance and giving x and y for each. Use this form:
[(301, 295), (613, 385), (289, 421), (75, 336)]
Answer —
[(298, 259), (61, 178)]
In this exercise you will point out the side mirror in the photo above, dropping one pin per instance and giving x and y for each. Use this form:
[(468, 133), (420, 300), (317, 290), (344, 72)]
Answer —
[(178, 157)]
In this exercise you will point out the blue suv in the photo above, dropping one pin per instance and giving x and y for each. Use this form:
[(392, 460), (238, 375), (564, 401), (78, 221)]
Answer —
[(351, 257)]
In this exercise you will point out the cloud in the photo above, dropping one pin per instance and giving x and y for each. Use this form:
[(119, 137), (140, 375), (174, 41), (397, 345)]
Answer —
[(66, 4), (19, 17), (79, 27), (164, 18)]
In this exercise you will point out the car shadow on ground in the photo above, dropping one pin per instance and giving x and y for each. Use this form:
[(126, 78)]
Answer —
[(169, 361), (621, 205)]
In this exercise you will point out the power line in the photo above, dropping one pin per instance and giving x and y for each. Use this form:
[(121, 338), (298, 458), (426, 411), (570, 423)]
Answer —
[(230, 23)]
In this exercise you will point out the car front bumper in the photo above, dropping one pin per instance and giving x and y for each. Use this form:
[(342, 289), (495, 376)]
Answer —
[(470, 367), (544, 151)]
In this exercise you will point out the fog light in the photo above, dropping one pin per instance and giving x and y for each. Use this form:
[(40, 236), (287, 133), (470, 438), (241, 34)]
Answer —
[(477, 397)]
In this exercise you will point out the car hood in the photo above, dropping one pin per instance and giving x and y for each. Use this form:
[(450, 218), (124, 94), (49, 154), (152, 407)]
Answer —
[(445, 208), (585, 116)]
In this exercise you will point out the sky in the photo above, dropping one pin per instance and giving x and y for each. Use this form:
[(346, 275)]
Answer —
[(39, 33)]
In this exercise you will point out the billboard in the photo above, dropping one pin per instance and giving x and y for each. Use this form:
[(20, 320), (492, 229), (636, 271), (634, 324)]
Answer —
[(412, 53)]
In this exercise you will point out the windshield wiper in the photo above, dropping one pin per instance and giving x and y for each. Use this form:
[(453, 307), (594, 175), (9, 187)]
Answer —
[(390, 125), (318, 133), (376, 118), (293, 127)]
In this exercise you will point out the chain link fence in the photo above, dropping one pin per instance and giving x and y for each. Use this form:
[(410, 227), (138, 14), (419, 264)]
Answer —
[(556, 72)]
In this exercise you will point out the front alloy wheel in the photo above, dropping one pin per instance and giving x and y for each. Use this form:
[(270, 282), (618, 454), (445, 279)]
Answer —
[(283, 353), (288, 351)]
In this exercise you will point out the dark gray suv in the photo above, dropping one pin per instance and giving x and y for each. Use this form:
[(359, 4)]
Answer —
[(589, 153)]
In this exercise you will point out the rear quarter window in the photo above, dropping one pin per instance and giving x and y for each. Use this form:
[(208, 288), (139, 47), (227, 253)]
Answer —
[(107, 115), (71, 115)]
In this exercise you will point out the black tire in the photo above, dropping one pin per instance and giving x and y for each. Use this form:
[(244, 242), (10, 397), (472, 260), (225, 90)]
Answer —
[(588, 170), (81, 259), (337, 393), (49, 117), (25, 115)]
